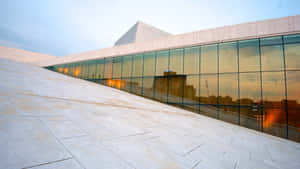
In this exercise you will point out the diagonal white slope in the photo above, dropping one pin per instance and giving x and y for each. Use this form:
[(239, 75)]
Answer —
[(48, 120)]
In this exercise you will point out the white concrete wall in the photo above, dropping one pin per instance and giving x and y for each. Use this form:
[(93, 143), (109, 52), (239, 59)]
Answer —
[(279, 26)]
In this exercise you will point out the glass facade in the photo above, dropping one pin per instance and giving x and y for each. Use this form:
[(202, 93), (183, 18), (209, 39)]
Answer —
[(254, 83)]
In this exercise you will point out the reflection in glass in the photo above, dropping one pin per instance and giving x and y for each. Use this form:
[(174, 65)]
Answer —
[(162, 62), (191, 60), (191, 89), (176, 61), (161, 87), (209, 89), (148, 86), (293, 97), (100, 69), (126, 84), (117, 67), (127, 66), (137, 67), (271, 58), (292, 56), (136, 86), (249, 55), (250, 97), (228, 89), (149, 64), (209, 59), (228, 57), (92, 70), (229, 113), (108, 68), (176, 82), (209, 110), (277, 40), (274, 114)]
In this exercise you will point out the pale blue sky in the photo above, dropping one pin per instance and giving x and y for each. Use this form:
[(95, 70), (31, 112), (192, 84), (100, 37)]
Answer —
[(62, 27)]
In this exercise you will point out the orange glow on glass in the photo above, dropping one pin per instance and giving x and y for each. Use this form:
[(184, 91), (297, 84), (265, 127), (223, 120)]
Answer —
[(77, 71), (66, 70), (271, 117), (60, 69)]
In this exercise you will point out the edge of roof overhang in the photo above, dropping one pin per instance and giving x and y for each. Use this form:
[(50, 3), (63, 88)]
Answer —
[(258, 29)]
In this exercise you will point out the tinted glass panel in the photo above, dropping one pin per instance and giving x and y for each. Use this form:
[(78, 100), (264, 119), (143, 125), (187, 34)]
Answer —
[(271, 41), (100, 69), (148, 86), (292, 56), (271, 58), (127, 66), (117, 67), (292, 38), (209, 89), (176, 61), (191, 60), (191, 89), (228, 57), (108, 68), (137, 68), (92, 70), (229, 113), (228, 89), (161, 88), (249, 55), (126, 84), (274, 120), (209, 59), (293, 97), (149, 64), (176, 83), (136, 86), (210, 110), (162, 62)]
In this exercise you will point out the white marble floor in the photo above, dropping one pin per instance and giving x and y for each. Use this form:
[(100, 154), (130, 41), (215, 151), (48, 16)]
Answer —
[(48, 120)]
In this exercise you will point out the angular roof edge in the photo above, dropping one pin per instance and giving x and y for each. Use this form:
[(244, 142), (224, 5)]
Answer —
[(264, 28)]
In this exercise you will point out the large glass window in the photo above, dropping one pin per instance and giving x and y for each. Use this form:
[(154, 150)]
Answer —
[(274, 117), (271, 54), (149, 64), (127, 66), (191, 60), (136, 86), (209, 89), (100, 69), (137, 68), (250, 97), (148, 87), (293, 101), (108, 68), (191, 89), (228, 57), (249, 55), (117, 67), (176, 61), (126, 84), (228, 89), (161, 88), (292, 54), (209, 59), (175, 88), (162, 63), (92, 69)]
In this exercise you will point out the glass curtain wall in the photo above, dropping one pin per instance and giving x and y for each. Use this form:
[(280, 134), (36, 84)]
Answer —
[(253, 83)]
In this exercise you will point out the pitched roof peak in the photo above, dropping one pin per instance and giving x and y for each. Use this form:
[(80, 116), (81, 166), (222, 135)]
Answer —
[(140, 32)]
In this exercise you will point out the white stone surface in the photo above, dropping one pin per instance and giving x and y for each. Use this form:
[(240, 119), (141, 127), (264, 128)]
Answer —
[(265, 28), (49, 120)]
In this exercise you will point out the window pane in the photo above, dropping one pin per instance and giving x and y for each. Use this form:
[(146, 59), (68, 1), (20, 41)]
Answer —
[(161, 88), (191, 89), (85, 70), (77, 70), (250, 96), (117, 67), (292, 56), (108, 68), (250, 88), (209, 110), (176, 61), (162, 62), (191, 60), (249, 55), (209, 89), (100, 69), (274, 117), (126, 84), (92, 69), (229, 113), (292, 38), (228, 89), (209, 59), (127, 66), (148, 86), (176, 83), (136, 86), (271, 58), (228, 57), (293, 97), (149, 64), (137, 70), (271, 41)]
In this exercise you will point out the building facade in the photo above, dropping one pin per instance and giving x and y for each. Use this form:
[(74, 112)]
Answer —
[(253, 82)]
